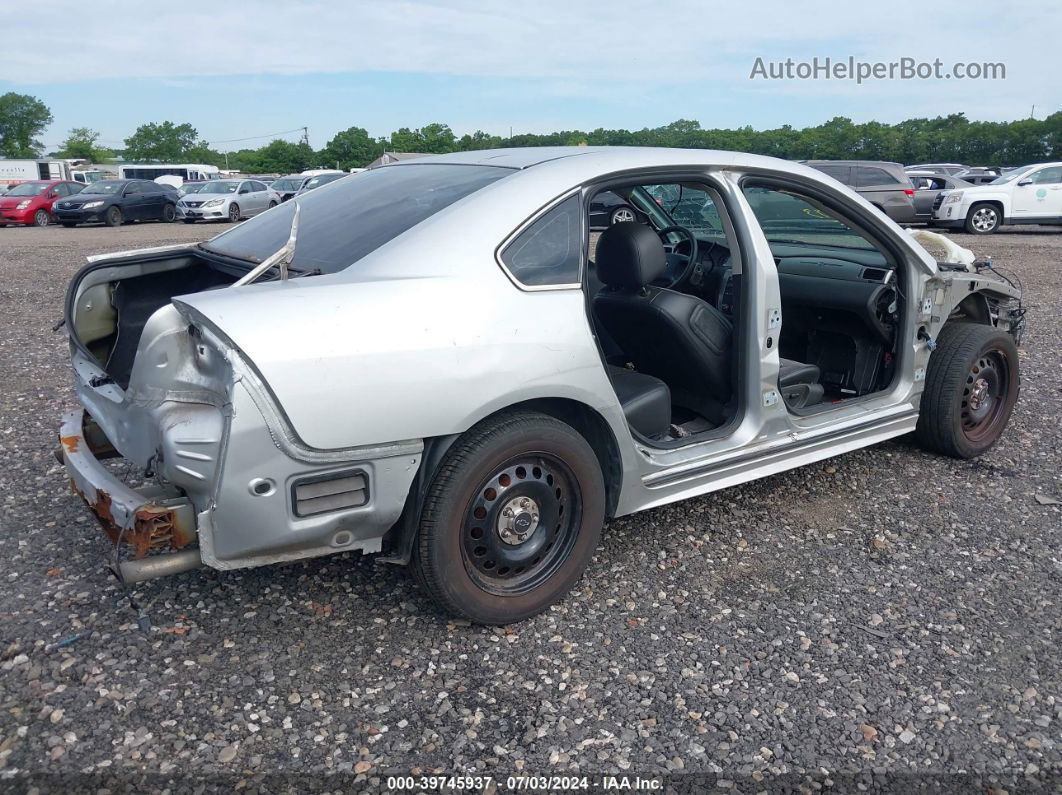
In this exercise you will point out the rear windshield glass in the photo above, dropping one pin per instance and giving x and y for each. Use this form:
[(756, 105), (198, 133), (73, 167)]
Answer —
[(339, 226)]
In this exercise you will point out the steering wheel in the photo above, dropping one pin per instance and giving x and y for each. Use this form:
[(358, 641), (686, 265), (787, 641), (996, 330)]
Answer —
[(679, 265)]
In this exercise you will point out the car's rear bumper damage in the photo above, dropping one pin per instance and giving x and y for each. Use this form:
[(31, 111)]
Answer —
[(161, 521)]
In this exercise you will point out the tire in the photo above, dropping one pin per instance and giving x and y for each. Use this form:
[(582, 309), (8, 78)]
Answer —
[(970, 392), (272, 204), (169, 213), (983, 219), (69, 224), (113, 217), (41, 218), (495, 544), (234, 213), (622, 215)]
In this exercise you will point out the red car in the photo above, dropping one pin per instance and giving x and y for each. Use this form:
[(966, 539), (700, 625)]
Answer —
[(30, 203)]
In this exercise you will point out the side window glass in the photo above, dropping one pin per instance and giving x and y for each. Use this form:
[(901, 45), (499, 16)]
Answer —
[(1048, 176), (550, 251), (866, 176), (839, 173), (132, 187)]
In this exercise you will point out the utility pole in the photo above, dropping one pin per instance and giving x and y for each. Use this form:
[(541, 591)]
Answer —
[(1032, 113), (226, 161), (306, 135)]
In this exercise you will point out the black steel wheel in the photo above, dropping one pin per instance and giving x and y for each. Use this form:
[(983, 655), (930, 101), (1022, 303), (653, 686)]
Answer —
[(113, 217), (169, 213), (521, 524), (511, 519), (971, 388)]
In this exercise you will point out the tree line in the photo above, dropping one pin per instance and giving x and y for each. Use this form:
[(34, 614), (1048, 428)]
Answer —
[(952, 138)]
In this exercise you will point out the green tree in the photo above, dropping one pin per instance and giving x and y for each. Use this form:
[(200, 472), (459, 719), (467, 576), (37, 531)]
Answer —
[(165, 141), (22, 119), (277, 157), (81, 143), (351, 148)]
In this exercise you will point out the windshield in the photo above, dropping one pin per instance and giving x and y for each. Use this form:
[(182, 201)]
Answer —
[(219, 186), (107, 186), (287, 184), (788, 218), (28, 189), (1011, 176), (339, 226), (192, 187)]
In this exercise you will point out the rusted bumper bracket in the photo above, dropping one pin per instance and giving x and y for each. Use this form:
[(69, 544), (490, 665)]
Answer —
[(148, 520)]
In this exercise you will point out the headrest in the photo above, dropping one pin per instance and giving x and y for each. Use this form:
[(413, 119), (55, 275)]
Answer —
[(629, 255)]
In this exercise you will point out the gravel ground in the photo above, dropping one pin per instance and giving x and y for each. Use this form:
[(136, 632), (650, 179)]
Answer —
[(885, 616)]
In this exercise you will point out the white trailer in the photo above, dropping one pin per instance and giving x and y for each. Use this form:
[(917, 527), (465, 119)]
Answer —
[(13, 172)]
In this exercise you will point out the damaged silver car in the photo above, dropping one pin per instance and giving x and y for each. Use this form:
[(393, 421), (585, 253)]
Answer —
[(437, 362)]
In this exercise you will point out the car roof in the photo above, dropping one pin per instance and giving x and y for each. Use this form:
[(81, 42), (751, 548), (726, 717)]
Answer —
[(853, 162)]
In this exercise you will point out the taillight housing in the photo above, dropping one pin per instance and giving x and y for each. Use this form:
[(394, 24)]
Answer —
[(908, 191)]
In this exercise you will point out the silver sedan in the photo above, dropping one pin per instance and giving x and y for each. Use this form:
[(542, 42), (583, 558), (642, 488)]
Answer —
[(434, 360), (226, 200)]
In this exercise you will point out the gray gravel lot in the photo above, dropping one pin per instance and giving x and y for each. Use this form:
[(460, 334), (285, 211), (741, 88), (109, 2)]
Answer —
[(885, 613)]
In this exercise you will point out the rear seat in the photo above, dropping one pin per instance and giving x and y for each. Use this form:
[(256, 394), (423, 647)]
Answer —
[(646, 401)]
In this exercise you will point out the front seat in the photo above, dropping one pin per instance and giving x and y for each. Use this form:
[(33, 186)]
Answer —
[(675, 337)]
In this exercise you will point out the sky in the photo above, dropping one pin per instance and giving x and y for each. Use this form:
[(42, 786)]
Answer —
[(248, 70)]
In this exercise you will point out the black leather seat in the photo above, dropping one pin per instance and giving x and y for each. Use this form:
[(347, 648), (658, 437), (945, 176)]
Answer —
[(675, 337), (799, 383), (646, 401)]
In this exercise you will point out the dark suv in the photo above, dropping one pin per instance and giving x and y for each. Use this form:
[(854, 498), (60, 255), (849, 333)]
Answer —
[(883, 184)]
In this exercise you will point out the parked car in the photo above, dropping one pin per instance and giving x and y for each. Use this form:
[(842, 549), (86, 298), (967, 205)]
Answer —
[(190, 187), (227, 200), (117, 201), (938, 168), (30, 203), (608, 208), (313, 381), (883, 184), (980, 176), (317, 180), (287, 187), (1029, 195), (927, 187)]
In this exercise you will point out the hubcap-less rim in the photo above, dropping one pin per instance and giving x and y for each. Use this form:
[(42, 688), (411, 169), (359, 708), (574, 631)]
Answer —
[(984, 396), (234, 213), (622, 216), (984, 219), (521, 524), (41, 218)]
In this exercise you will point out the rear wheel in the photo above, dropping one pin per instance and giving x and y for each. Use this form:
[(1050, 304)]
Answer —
[(971, 388), (511, 519), (113, 217), (983, 219), (41, 218), (622, 215), (169, 212), (272, 204), (234, 213)]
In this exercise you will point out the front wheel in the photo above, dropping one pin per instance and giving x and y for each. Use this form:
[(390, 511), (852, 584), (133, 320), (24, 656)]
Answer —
[(41, 218), (511, 519), (971, 388), (272, 204), (234, 213), (169, 213), (113, 217), (983, 219)]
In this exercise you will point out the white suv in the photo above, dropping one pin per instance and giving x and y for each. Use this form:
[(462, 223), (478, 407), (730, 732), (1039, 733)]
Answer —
[(1029, 195)]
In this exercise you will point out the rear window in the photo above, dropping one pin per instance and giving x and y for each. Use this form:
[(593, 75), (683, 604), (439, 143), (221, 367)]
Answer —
[(868, 176), (355, 217)]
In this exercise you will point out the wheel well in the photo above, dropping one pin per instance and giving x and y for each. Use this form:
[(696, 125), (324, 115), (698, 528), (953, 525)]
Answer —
[(994, 202), (592, 427), (972, 309), (398, 542)]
